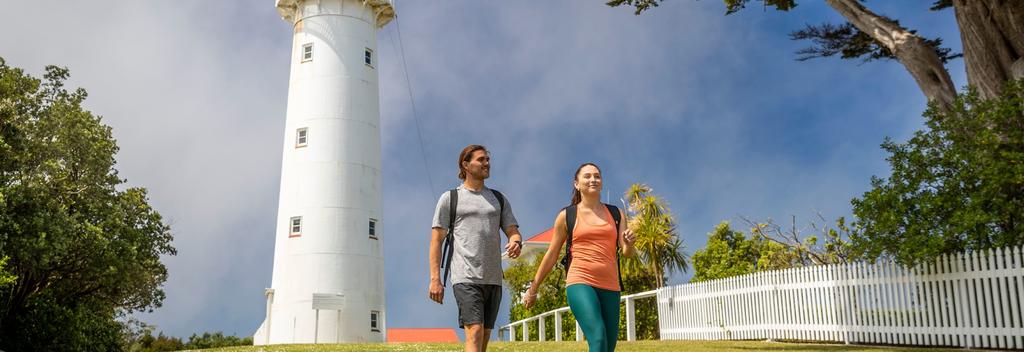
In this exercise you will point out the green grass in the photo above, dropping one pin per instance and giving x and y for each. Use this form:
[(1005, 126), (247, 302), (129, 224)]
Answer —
[(645, 346)]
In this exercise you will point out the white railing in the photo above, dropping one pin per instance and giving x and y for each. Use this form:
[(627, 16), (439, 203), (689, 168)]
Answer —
[(524, 324), (969, 300)]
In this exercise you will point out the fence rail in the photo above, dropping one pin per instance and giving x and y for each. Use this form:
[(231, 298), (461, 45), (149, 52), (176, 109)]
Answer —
[(969, 300)]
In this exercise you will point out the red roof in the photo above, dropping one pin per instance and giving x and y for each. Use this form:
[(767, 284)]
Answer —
[(422, 335), (543, 237)]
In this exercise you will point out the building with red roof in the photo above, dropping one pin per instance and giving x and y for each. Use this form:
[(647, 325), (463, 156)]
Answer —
[(422, 335)]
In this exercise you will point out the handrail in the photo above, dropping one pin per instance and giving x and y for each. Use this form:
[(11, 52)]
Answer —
[(630, 320)]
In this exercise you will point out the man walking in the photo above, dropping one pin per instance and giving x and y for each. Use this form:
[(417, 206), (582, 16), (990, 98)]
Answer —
[(475, 260)]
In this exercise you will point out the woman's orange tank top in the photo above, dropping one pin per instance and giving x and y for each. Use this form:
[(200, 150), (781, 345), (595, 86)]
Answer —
[(593, 254)]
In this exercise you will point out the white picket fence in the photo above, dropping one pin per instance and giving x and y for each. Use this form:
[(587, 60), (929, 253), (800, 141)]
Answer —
[(968, 300), (971, 300)]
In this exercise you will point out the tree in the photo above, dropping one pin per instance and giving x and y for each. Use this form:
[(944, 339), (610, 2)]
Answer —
[(659, 250), (992, 33), (84, 248), (959, 185), (802, 249), (215, 340), (730, 253), (727, 253)]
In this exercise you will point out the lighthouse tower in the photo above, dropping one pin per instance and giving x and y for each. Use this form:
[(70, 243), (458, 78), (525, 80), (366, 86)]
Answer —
[(328, 279)]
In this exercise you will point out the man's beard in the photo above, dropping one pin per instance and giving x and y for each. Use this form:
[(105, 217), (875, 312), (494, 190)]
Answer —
[(482, 175)]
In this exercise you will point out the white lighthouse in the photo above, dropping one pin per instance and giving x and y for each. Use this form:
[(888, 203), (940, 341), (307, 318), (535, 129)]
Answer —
[(328, 279)]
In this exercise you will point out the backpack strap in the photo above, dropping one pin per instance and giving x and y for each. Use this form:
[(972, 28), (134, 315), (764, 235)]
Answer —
[(501, 205), (448, 248), (614, 211), (570, 223)]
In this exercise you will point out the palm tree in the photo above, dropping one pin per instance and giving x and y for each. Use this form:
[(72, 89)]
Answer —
[(659, 249)]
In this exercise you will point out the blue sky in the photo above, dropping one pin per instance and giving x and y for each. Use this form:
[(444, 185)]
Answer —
[(711, 111)]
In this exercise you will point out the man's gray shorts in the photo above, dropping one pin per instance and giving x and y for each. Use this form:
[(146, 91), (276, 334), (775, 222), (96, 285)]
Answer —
[(478, 304)]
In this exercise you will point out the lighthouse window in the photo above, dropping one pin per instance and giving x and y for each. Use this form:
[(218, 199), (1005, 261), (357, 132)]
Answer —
[(307, 52), (369, 57), (374, 324), (301, 135), (373, 228), (295, 226)]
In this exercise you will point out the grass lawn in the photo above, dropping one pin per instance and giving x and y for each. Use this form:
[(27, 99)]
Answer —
[(645, 346)]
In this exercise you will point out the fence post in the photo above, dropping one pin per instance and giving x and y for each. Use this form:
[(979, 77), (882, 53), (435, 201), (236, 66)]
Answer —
[(558, 325), (579, 334), (511, 332), (526, 331), (630, 319), (540, 328)]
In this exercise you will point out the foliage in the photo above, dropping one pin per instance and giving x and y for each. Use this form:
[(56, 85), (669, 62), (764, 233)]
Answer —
[(144, 341), (827, 39), (727, 253), (959, 185), (849, 42), (731, 253), (83, 251), (802, 249), (214, 340), (659, 249), (6, 278)]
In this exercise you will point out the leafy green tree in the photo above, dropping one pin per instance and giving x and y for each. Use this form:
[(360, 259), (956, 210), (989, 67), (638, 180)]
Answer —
[(727, 253), (958, 185), (84, 248), (142, 340), (730, 253), (659, 249), (216, 340), (989, 30)]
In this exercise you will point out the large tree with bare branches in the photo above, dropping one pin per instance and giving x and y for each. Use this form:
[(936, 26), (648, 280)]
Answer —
[(992, 33)]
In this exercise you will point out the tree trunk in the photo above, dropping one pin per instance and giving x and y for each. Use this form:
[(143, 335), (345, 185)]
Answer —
[(911, 50), (992, 32)]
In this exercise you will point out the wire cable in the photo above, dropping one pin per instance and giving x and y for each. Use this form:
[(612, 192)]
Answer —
[(412, 100)]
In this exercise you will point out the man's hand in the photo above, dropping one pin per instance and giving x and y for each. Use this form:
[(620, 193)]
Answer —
[(436, 291), (513, 249)]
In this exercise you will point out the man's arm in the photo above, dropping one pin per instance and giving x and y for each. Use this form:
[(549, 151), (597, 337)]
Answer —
[(436, 290)]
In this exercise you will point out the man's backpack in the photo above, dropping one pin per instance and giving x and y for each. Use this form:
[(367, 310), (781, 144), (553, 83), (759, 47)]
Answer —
[(448, 247), (570, 223)]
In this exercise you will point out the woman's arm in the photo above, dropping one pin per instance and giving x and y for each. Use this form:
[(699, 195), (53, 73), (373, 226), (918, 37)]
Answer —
[(550, 257), (626, 236)]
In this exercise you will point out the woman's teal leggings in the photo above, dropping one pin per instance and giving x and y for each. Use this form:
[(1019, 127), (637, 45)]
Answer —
[(597, 311)]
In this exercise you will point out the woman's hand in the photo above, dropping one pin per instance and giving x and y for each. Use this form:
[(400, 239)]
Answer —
[(628, 237), (530, 297)]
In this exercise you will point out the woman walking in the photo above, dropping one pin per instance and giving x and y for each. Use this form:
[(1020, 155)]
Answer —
[(592, 284)]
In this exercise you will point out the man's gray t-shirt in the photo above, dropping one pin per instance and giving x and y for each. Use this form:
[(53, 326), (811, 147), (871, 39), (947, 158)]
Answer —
[(477, 254)]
